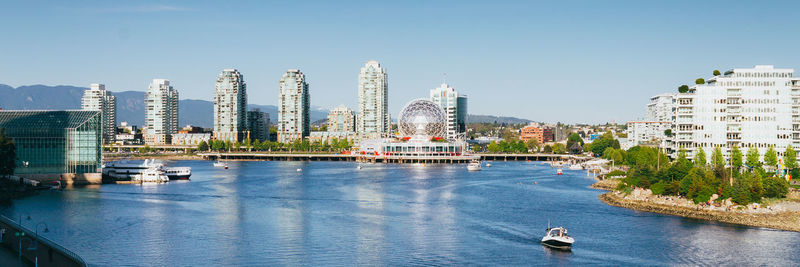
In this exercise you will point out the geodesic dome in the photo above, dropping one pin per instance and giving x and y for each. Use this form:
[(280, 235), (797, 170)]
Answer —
[(422, 117)]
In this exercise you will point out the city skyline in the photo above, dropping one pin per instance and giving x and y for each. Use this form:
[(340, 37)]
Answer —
[(612, 53)]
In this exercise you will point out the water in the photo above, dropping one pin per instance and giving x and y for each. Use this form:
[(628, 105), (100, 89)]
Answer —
[(331, 213)]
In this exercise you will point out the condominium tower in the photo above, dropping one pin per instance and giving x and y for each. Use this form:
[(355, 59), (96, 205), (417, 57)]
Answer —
[(373, 119), (161, 113), (294, 121), (749, 108), (341, 119), (230, 107), (455, 108), (258, 125), (98, 99)]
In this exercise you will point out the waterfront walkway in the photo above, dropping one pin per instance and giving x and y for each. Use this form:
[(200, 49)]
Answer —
[(9, 258), (388, 159)]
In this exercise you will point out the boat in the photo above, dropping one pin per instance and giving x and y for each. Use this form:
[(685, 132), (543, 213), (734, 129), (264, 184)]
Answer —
[(557, 237), (559, 172), (125, 170), (220, 164), (359, 167), (474, 165), (151, 175), (576, 167), (488, 164)]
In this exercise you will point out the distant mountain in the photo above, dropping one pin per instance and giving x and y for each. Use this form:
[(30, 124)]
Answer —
[(130, 104), (491, 119)]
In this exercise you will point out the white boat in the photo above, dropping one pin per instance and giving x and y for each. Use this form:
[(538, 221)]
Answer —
[(151, 175), (474, 165), (220, 164), (559, 172), (576, 167), (488, 165), (359, 167), (125, 170), (557, 237)]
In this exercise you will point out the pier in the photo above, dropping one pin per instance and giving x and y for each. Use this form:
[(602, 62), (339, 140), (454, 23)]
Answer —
[(245, 156)]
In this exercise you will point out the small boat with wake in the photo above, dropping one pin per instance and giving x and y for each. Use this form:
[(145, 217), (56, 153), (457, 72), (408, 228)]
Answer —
[(557, 237)]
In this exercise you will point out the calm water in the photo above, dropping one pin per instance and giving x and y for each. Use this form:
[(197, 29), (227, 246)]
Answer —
[(267, 213)]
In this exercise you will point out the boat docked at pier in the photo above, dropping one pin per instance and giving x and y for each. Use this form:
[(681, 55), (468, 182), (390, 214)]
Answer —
[(127, 170)]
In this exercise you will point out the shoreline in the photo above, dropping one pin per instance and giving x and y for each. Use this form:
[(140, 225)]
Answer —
[(781, 220)]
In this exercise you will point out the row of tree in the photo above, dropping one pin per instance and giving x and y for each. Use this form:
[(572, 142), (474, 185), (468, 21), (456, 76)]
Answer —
[(335, 145), (745, 179)]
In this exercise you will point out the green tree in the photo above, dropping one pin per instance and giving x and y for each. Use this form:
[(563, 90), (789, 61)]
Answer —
[(718, 159), (202, 146), (573, 138), (700, 157), (790, 158), (771, 157), (717, 73), (533, 145), (559, 148), (736, 158), (775, 187), (8, 154), (493, 147), (683, 88), (752, 158), (547, 149), (700, 81)]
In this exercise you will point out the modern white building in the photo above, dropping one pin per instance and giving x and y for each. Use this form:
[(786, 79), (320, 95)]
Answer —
[(98, 99), (341, 119), (455, 109), (161, 113), (647, 133), (755, 107), (661, 108), (258, 125), (294, 121), (230, 106), (373, 119)]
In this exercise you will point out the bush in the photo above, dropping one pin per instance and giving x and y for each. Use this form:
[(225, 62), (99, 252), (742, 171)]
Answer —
[(775, 187), (616, 173), (683, 89), (717, 73), (700, 81), (659, 188)]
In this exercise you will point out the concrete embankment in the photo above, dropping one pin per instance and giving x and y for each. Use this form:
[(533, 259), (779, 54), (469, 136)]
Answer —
[(785, 220), (38, 250)]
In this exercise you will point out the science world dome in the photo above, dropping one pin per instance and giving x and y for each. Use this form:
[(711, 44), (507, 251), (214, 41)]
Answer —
[(422, 118)]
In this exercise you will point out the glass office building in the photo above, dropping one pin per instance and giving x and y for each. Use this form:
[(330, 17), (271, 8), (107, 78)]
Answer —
[(55, 142)]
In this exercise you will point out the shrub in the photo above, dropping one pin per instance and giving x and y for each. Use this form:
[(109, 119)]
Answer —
[(700, 81), (616, 173), (775, 187), (683, 88), (717, 73), (659, 188)]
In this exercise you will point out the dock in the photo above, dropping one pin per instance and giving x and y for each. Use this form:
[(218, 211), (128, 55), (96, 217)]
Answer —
[(247, 156)]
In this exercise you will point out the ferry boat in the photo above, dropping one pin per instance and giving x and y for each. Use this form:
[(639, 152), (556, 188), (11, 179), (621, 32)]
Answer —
[(125, 170), (151, 175), (557, 237), (474, 165)]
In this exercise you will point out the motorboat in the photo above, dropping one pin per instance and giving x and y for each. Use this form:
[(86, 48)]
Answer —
[(488, 165), (559, 172), (576, 167), (474, 165), (557, 237), (220, 164), (359, 167), (151, 175), (125, 170)]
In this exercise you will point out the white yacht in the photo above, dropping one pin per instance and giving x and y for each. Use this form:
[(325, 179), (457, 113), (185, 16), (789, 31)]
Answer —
[(220, 164), (557, 237), (151, 175), (125, 170), (474, 165)]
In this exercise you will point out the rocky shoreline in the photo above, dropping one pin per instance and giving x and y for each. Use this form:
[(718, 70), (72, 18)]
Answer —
[(784, 215)]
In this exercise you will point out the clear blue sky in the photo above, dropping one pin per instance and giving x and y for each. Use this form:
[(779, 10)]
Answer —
[(570, 61)]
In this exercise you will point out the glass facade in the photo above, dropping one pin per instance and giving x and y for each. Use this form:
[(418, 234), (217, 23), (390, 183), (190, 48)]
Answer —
[(55, 141)]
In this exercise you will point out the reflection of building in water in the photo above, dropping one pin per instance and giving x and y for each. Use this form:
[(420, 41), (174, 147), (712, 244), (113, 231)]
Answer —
[(422, 134)]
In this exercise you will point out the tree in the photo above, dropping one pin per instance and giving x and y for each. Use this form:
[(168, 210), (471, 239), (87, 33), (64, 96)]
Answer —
[(771, 157), (683, 89), (790, 158), (533, 145), (668, 132), (559, 148), (717, 73), (493, 147), (700, 81), (547, 149), (752, 158), (573, 138), (718, 159), (700, 157), (736, 157), (202, 146), (8, 154)]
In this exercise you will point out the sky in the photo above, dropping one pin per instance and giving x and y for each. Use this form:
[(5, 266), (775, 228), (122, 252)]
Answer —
[(567, 61)]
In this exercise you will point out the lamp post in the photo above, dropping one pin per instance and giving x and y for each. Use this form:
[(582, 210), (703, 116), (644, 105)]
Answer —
[(20, 235), (36, 242)]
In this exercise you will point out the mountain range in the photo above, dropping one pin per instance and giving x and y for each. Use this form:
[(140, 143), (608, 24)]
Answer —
[(130, 105)]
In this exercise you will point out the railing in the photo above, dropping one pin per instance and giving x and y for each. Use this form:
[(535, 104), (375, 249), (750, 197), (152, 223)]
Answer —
[(45, 241)]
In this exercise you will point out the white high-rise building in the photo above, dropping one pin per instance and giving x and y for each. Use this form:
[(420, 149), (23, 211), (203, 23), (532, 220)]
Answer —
[(294, 121), (98, 99), (341, 120), (757, 107), (661, 108), (161, 113), (658, 119), (455, 108), (373, 119), (230, 107)]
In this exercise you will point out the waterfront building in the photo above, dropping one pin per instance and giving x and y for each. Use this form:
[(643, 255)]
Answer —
[(294, 121), (373, 119), (258, 125), (547, 134), (161, 113), (646, 132), (532, 132), (455, 109), (325, 136), (661, 108), (98, 99), (230, 107), (749, 108), (53, 144), (190, 139), (341, 119)]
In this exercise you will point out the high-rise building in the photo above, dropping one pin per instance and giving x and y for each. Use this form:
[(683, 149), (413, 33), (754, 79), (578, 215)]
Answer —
[(341, 119), (455, 109), (749, 108), (258, 125), (230, 106), (373, 119), (161, 113), (98, 99), (661, 108), (294, 121), (653, 129)]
